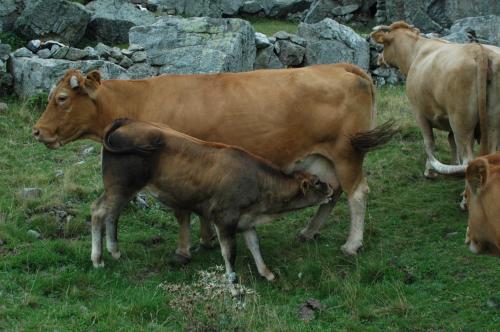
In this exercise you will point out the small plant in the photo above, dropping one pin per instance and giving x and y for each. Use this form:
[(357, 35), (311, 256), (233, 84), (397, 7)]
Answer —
[(15, 42), (211, 303), (37, 102)]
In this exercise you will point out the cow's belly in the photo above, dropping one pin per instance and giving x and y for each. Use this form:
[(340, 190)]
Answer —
[(317, 165)]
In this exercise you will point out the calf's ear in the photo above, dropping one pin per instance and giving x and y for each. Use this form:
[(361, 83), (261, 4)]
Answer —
[(476, 175), (304, 186)]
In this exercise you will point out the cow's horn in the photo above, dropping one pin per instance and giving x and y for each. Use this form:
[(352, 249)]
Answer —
[(382, 28), (73, 82)]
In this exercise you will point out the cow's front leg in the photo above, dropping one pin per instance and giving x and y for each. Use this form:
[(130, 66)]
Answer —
[(182, 254), (227, 241), (252, 242)]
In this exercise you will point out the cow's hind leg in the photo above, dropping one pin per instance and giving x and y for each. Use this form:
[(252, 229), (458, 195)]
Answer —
[(352, 181), (252, 242), (429, 143)]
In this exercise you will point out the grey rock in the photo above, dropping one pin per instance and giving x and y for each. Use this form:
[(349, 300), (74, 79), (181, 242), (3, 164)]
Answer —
[(59, 19), (127, 52), (209, 8), (44, 53), (261, 40), (484, 28), (142, 70), (139, 56), (331, 42), (319, 10), (22, 53), (113, 60), (27, 193), (282, 8), (112, 19), (103, 50), (36, 75), (135, 47), (3, 107), (290, 54), (59, 173), (125, 62), (116, 53), (344, 10), (197, 45), (460, 37), (34, 234), (267, 59), (251, 7), (348, 17), (92, 53), (70, 53), (5, 50), (9, 12)]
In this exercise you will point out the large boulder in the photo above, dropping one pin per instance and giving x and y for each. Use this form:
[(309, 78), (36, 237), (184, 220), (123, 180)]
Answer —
[(281, 8), (9, 12), (437, 16), (112, 19), (319, 10), (197, 45), (192, 8), (5, 77), (56, 19), (485, 28), (331, 42), (33, 75)]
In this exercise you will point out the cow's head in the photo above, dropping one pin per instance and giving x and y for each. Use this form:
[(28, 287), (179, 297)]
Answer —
[(71, 110), (483, 197), (398, 40)]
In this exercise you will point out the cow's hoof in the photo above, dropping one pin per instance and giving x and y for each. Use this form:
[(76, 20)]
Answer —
[(177, 260), (270, 276), (98, 264), (304, 237), (463, 204), (430, 174), (351, 248), (116, 254)]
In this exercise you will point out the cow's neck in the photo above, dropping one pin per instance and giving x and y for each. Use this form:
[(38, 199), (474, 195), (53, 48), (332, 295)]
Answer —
[(115, 100)]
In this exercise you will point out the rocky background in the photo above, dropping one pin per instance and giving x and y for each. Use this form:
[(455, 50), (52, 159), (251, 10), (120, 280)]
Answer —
[(202, 36)]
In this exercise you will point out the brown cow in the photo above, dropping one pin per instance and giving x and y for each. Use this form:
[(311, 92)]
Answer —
[(225, 184), (451, 87), (483, 196), (299, 119)]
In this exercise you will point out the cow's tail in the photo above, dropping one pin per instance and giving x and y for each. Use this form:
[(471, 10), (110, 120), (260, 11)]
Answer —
[(482, 86), (119, 139), (377, 136), (374, 138)]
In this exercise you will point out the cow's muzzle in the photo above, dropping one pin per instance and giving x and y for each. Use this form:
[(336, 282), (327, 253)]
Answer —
[(51, 143)]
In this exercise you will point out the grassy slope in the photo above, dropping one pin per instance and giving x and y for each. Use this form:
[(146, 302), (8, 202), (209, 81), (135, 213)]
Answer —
[(415, 272)]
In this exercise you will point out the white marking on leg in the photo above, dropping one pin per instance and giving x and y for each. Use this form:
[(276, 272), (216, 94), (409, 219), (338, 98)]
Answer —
[(224, 248), (357, 208)]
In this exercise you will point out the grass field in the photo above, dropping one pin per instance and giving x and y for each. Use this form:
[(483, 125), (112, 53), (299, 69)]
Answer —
[(414, 273)]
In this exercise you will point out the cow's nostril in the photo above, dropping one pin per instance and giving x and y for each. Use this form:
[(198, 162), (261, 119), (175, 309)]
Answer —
[(36, 132)]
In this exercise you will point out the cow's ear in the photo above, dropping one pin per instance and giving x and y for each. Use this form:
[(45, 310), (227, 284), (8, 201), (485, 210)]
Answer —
[(476, 175), (92, 82), (304, 186), (381, 37)]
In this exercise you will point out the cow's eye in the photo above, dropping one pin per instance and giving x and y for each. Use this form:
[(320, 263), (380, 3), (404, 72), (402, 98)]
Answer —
[(61, 99)]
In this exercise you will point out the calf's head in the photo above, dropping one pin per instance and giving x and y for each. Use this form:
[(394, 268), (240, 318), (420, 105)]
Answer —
[(71, 112), (483, 197), (398, 40), (309, 191)]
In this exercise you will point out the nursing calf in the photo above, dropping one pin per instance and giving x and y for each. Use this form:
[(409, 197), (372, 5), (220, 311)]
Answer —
[(483, 195), (221, 183)]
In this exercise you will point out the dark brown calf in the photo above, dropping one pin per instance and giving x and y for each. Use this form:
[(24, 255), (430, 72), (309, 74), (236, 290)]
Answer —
[(224, 184)]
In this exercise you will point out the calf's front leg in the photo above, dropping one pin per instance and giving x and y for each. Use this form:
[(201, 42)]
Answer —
[(227, 243), (252, 242)]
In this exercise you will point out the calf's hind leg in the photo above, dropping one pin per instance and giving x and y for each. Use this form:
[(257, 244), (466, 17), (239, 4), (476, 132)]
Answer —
[(227, 241)]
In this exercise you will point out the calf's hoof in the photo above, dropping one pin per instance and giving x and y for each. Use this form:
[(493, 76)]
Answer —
[(351, 248), (98, 263), (232, 278), (304, 236), (177, 260)]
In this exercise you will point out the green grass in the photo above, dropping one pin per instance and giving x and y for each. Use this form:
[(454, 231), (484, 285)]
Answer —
[(270, 27), (414, 273)]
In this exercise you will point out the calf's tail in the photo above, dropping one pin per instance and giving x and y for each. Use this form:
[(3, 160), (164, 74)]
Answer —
[(119, 138)]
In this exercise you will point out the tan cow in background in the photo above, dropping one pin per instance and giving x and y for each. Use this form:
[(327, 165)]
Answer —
[(483, 197), (320, 119), (451, 87)]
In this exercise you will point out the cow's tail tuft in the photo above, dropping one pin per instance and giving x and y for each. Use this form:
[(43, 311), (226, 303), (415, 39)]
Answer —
[(369, 140)]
